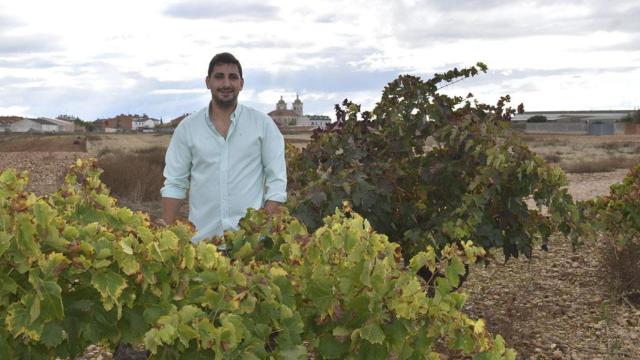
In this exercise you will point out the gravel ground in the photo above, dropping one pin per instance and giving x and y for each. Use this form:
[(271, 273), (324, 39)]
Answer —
[(46, 169)]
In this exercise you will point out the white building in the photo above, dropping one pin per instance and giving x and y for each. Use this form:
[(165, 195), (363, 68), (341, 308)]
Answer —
[(604, 116), (35, 125), (295, 116), (147, 123), (65, 126)]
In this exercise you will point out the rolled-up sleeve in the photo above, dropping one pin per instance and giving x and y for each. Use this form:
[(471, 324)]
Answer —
[(177, 166), (273, 162)]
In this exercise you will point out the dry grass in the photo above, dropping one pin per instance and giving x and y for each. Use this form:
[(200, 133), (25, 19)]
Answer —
[(552, 158), (598, 165), (134, 175), (101, 143), (616, 145), (623, 268)]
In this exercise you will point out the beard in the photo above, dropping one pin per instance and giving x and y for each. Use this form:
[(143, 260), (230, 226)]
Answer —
[(225, 103)]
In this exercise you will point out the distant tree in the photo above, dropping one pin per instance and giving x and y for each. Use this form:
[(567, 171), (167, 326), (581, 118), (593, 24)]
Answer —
[(89, 126), (632, 117), (537, 119)]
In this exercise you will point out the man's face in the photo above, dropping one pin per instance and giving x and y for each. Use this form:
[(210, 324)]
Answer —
[(225, 84)]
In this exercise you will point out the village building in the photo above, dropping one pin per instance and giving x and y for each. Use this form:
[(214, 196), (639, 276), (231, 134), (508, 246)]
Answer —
[(283, 116), (40, 125), (584, 116), (7, 121), (64, 126), (320, 121), (128, 122), (594, 122), (78, 124)]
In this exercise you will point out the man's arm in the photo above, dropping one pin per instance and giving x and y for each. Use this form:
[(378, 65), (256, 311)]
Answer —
[(272, 207), (176, 172), (170, 209), (275, 170)]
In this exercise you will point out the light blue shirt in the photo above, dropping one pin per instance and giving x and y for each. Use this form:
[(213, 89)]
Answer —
[(225, 176)]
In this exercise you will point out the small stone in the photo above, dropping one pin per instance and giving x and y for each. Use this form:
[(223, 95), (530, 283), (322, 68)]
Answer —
[(557, 355)]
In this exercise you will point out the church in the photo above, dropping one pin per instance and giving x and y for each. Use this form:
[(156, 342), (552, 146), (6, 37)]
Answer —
[(295, 116)]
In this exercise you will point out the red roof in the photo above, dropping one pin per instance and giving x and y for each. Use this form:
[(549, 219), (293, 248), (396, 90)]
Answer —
[(8, 120)]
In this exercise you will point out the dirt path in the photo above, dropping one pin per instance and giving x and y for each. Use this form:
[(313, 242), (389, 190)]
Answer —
[(557, 305)]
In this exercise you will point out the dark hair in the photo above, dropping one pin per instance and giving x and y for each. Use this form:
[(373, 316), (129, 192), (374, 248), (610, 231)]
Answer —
[(224, 58)]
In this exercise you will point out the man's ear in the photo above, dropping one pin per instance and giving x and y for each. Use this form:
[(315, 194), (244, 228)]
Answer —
[(206, 81)]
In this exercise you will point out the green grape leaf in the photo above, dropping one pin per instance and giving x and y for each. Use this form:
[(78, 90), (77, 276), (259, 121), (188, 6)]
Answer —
[(330, 348), (372, 333), (52, 335), (5, 242), (110, 286)]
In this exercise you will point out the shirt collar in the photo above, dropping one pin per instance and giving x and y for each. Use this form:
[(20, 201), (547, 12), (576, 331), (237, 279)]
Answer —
[(234, 116)]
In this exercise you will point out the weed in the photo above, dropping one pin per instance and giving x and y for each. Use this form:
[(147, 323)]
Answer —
[(622, 263), (135, 175), (599, 165), (552, 158)]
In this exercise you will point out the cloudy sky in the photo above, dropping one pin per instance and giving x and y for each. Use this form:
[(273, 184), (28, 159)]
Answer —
[(98, 59)]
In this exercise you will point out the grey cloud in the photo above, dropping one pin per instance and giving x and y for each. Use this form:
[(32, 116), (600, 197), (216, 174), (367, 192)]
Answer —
[(7, 81), (633, 44), (503, 78), (29, 63), (10, 45), (522, 81), (219, 9), (264, 44), (8, 22), (327, 18), (90, 103), (334, 77), (109, 55), (475, 19)]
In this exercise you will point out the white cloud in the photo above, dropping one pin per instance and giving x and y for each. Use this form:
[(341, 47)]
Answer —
[(153, 55), (177, 91), (15, 110)]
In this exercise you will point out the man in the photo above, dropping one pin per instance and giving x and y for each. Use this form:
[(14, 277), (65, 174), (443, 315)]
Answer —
[(229, 156)]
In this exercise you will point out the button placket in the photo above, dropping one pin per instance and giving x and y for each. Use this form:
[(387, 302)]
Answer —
[(224, 171)]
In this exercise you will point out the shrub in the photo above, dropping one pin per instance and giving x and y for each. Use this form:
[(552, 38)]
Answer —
[(552, 158), (135, 176), (618, 217), (472, 184), (78, 270), (537, 119), (622, 263)]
